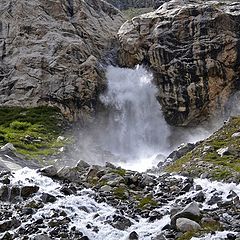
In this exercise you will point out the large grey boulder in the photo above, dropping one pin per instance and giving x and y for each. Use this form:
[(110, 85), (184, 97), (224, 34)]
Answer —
[(191, 211), (50, 53), (185, 225)]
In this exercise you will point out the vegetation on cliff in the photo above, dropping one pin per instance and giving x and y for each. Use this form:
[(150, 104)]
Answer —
[(217, 157)]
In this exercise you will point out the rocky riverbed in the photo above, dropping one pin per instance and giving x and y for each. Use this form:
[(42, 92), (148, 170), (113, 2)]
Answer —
[(108, 202)]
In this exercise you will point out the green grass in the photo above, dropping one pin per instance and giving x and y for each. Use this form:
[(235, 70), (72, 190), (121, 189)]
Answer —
[(119, 171), (146, 201), (220, 168), (32, 131), (206, 228), (120, 193)]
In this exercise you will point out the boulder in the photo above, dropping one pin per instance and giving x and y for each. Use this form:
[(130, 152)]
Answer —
[(49, 171), (120, 222), (181, 151), (133, 236), (54, 59), (4, 193), (236, 135), (27, 191), (9, 224), (199, 197), (8, 147), (48, 198), (185, 225), (192, 48), (191, 211), (105, 189), (41, 237)]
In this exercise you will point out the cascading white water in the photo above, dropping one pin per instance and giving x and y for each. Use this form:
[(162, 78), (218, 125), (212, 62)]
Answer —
[(135, 128)]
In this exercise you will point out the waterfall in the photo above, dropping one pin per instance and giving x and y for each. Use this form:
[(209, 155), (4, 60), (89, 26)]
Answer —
[(135, 128)]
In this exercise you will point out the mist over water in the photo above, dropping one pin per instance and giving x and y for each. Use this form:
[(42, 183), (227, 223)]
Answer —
[(136, 128), (132, 131)]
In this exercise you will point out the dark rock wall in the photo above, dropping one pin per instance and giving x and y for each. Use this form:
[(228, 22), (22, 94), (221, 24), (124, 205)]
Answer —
[(125, 4), (193, 50)]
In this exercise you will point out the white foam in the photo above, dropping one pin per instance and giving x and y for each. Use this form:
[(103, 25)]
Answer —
[(98, 213)]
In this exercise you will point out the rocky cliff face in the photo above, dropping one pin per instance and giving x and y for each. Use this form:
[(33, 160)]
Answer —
[(125, 4), (50, 51), (194, 50)]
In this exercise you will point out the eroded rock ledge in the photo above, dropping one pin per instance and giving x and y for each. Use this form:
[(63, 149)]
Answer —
[(125, 4), (194, 50), (50, 51)]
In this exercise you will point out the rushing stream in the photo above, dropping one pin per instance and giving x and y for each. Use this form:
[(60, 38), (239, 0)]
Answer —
[(83, 210)]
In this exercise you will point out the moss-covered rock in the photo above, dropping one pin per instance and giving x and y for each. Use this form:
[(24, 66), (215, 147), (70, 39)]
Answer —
[(218, 157)]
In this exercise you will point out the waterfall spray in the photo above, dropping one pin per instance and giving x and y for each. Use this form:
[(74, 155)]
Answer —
[(135, 128)]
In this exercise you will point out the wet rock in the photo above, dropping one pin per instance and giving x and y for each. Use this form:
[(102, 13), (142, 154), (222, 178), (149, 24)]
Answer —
[(198, 187), (161, 236), (15, 193), (154, 215), (92, 172), (232, 194), (70, 174), (84, 238), (82, 165), (120, 222), (49, 171), (67, 191), (10, 224), (27, 211), (231, 236), (42, 237), (147, 180), (110, 165), (133, 236), (4, 193), (199, 197), (214, 199), (186, 187), (185, 225), (128, 4), (48, 198), (27, 191), (7, 236), (181, 150)]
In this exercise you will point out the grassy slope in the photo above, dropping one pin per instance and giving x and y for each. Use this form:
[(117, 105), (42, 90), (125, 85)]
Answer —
[(204, 159), (33, 131)]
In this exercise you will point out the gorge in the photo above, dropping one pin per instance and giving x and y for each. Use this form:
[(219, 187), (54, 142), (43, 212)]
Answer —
[(119, 129)]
